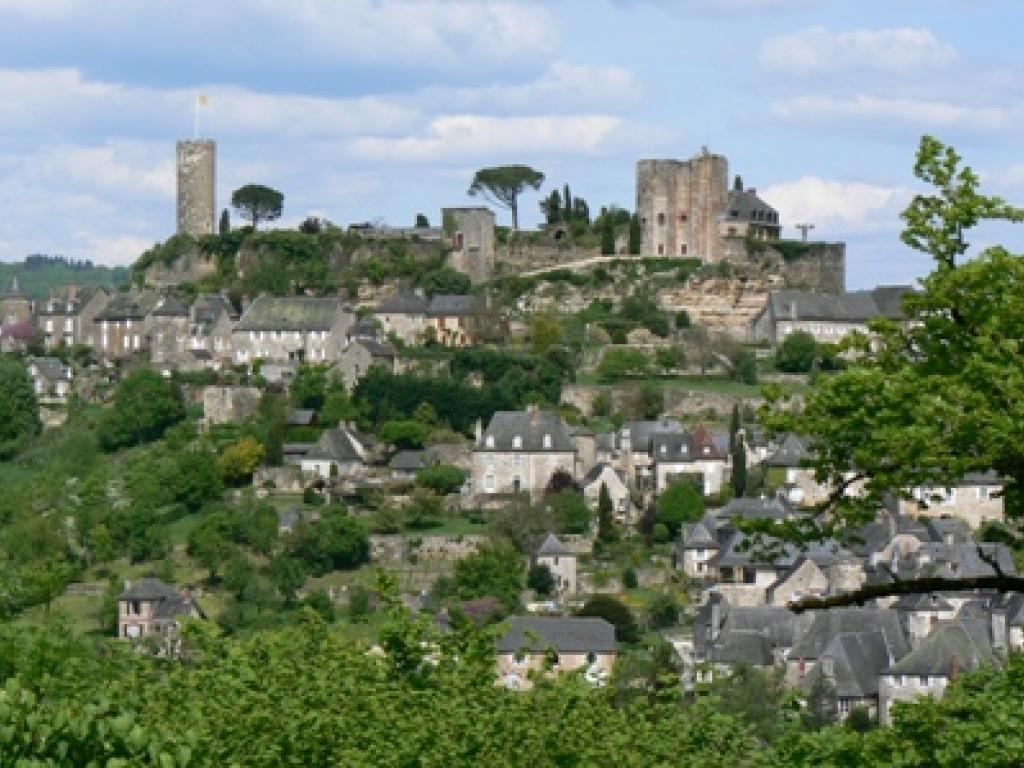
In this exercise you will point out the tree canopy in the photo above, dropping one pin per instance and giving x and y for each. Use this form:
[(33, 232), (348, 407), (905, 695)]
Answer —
[(19, 412), (145, 404), (257, 203), (503, 184), (923, 402)]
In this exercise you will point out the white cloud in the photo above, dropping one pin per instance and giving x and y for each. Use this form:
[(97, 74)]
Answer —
[(125, 167), (837, 208), (817, 51), (458, 136), (893, 112)]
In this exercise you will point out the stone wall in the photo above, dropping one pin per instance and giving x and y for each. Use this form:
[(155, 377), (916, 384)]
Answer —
[(677, 402), (229, 404), (287, 479), (197, 170), (188, 268), (397, 548)]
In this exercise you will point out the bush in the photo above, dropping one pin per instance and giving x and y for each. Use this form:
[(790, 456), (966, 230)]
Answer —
[(540, 579), (145, 404), (619, 363), (663, 612), (441, 478), (797, 353), (616, 614), (680, 503), (629, 580)]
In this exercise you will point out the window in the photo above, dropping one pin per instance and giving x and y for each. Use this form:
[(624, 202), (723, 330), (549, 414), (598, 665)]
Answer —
[(459, 241), (591, 657), (683, 249), (517, 441), (489, 483), (135, 608), (661, 218), (489, 441), (923, 680), (521, 658), (661, 249), (683, 216), (547, 441), (897, 680), (556, 561)]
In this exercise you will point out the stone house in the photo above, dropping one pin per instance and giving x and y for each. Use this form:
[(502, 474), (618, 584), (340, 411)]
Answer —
[(799, 482), (212, 320), (454, 320), (604, 474), (169, 334), (748, 216), (68, 316), (698, 544), (18, 337), (977, 498), (726, 635), (561, 561), (404, 317), (51, 380), (151, 608), (631, 450), (292, 329), (805, 578), (952, 648), (338, 452), (851, 665), (15, 305), (677, 454), (827, 317), (551, 645), (519, 452), (922, 612), (360, 355), (122, 326)]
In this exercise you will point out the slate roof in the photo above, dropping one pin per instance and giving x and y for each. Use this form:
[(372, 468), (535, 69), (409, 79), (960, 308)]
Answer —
[(530, 427), (682, 447), (364, 328), (744, 204), (597, 471), (408, 461), (743, 551), (733, 644), (641, 433), (14, 290), (291, 313), (301, 417), (552, 547), (338, 445), (51, 368), (776, 508), (403, 304), (959, 560), (208, 308), (792, 452), (565, 634), (698, 536), (126, 306), (850, 307), (962, 643), (857, 659), (826, 625), (61, 304), (922, 602), (169, 306), (750, 646), (148, 589), (376, 348), (876, 536), (452, 305)]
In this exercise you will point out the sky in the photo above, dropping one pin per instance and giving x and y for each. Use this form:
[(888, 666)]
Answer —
[(376, 110)]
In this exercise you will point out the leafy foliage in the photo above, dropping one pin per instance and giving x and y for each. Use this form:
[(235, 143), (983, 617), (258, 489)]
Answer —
[(503, 184), (19, 412), (797, 353), (257, 203), (145, 404)]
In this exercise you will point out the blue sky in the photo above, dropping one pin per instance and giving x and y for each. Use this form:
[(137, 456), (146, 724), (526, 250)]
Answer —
[(379, 109)]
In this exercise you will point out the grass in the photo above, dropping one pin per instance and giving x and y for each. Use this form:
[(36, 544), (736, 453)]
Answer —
[(458, 526)]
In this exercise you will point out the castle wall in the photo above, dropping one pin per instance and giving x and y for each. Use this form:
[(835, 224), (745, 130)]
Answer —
[(197, 163), (470, 233)]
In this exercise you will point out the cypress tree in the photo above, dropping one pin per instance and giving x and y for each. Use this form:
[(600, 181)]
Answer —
[(634, 235)]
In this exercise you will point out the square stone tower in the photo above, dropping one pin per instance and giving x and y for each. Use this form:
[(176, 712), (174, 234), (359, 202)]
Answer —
[(679, 203), (470, 234), (197, 175)]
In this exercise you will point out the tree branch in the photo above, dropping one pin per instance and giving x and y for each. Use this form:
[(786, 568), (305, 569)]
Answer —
[(999, 583)]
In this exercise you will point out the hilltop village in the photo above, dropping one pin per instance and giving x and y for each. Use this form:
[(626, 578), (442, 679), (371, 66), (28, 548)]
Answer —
[(557, 427)]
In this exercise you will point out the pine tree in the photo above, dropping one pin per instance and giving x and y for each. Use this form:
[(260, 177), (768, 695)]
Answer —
[(739, 469), (566, 204), (734, 426), (225, 222), (607, 531), (607, 235)]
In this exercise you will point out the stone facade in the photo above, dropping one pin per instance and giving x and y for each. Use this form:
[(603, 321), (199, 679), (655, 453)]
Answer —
[(67, 317), (299, 329), (223, 405), (976, 500), (679, 203), (520, 451), (197, 172), (470, 233)]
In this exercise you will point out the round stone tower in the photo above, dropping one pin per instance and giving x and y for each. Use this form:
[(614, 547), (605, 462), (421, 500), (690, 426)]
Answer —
[(197, 175)]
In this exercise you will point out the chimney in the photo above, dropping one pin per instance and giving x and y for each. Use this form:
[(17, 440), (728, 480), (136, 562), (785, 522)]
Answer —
[(716, 617), (954, 667), (998, 618), (792, 310), (478, 430)]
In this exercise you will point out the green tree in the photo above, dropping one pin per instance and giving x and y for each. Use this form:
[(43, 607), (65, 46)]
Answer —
[(404, 434), (797, 353), (257, 203), (503, 184), (540, 580), (495, 570), (571, 511), (145, 404), (551, 207), (668, 358), (615, 613), (422, 222), (196, 480), (19, 412), (663, 611), (441, 478), (744, 366), (607, 530), (635, 235), (738, 479), (923, 403), (680, 503), (309, 387), (224, 227), (335, 542), (240, 459), (545, 333), (445, 280)]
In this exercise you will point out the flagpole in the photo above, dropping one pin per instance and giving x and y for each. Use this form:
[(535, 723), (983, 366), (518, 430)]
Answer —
[(195, 123)]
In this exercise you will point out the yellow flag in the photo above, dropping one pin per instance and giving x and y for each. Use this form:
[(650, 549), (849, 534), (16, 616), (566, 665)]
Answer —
[(203, 99)]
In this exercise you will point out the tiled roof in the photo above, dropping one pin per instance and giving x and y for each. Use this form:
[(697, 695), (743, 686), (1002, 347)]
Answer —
[(408, 461), (672, 447), (851, 307), (403, 304), (826, 625), (792, 452), (336, 445), (551, 547), (51, 368), (298, 313), (170, 306), (127, 306), (852, 662), (962, 644), (564, 634), (452, 305)]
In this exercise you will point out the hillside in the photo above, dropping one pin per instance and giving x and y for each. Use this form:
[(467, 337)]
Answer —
[(38, 275)]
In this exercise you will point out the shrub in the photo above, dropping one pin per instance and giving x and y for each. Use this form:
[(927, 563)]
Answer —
[(616, 614)]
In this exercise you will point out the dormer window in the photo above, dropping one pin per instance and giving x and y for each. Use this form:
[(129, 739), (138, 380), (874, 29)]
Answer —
[(547, 441), (664, 449), (707, 450), (489, 441), (517, 441)]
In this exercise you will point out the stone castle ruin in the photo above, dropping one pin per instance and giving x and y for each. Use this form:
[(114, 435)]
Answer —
[(197, 174), (470, 233)]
